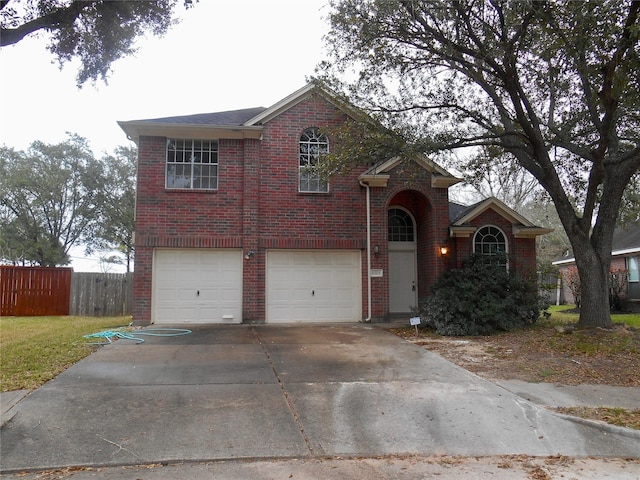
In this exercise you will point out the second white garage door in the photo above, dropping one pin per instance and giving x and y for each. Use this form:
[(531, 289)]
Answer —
[(197, 285), (313, 286)]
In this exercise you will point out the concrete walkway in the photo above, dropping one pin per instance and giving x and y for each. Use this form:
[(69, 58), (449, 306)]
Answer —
[(267, 392)]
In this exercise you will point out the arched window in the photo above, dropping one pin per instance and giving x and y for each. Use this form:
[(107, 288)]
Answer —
[(313, 144), (400, 227), (491, 242)]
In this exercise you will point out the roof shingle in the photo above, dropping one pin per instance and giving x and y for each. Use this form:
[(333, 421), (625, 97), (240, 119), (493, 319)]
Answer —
[(227, 118)]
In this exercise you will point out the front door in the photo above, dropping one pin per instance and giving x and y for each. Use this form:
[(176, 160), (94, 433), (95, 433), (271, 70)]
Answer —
[(402, 280), (403, 288)]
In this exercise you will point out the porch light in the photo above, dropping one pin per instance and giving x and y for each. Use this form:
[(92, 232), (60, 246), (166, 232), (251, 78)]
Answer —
[(249, 254), (444, 250)]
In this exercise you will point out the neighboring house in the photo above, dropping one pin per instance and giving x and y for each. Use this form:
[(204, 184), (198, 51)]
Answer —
[(625, 257), (232, 224)]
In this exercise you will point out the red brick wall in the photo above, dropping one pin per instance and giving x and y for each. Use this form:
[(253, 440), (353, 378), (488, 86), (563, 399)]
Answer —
[(409, 187), (257, 207)]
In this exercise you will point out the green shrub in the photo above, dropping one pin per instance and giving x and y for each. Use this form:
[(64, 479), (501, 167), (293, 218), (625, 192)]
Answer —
[(479, 299)]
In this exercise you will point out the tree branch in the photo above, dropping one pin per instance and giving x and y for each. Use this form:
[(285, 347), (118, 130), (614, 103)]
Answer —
[(60, 16)]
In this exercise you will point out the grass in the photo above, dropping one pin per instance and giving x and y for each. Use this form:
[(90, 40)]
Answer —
[(563, 314), (614, 416), (36, 349)]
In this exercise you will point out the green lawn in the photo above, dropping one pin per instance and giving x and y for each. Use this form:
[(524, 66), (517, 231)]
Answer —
[(564, 314), (36, 349)]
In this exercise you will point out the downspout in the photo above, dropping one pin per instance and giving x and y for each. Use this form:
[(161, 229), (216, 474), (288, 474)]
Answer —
[(368, 319)]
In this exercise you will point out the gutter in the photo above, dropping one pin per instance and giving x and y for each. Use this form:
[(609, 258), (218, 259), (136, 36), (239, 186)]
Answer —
[(366, 185)]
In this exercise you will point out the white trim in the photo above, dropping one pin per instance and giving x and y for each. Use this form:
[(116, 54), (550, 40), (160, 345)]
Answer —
[(369, 296), (562, 262), (136, 129), (617, 253), (413, 221), (614, 253), (300, 95), (529, 232), (281, 106)]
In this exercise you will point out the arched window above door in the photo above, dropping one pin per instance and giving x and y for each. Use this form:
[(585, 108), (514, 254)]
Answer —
[(400, 226)]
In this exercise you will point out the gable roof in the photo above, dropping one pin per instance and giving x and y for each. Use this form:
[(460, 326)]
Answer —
[(378, 175), (455, 209), (228, 118), (626, 241), (205, 126), (245, 123), (493, 203), (521, 227), (300, 95)]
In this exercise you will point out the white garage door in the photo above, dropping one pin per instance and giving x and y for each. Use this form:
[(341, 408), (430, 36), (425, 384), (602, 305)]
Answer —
[(313, 286), (197, 285)]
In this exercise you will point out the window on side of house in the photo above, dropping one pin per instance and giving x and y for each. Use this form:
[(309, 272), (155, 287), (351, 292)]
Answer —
[(632, 266), (491, 242), (192, 164), (313, 144)]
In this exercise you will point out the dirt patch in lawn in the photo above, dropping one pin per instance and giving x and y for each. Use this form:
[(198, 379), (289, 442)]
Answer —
[(543, 354), (547, 353)]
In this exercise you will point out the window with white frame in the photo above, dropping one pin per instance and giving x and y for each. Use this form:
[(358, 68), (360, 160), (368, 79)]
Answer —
[(313, 144), (192, 164), (632, 266), (400, 226), (490, 242)]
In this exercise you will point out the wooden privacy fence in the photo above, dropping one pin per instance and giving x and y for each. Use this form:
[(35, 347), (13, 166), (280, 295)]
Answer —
[(34, 291), (39, 291), (101, 294)]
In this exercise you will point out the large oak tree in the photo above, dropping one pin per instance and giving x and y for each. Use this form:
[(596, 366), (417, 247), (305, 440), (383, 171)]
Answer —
[(50, 199), (556, 84), (55, 197), (96, 32)]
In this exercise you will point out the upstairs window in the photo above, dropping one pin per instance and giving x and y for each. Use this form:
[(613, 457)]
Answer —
[(490, 242), (313, 144), (192, 164)]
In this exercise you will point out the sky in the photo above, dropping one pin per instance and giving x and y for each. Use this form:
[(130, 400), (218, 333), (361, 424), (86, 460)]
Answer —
[(224, 55)]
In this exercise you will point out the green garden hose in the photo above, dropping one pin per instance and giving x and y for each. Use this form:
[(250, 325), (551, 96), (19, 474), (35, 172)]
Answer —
[(151, 332)]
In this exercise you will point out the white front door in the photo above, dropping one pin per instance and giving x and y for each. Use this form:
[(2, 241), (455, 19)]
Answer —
[(402, 280)]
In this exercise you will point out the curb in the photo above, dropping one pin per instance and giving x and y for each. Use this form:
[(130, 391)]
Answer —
[(8, 400), (603, 426)]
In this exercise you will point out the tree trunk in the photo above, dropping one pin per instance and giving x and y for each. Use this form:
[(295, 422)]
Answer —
[(594, 284)]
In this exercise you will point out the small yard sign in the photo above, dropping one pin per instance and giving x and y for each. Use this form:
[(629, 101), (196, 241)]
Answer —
[(415, 321)]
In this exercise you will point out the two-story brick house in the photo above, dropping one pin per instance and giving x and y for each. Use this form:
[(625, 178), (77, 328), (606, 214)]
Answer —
[(233, 226)]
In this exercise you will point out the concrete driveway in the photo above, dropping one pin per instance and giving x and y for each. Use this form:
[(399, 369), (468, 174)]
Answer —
[(229, 392)]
